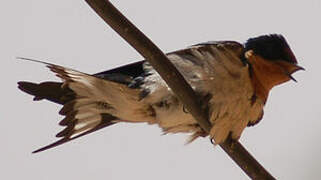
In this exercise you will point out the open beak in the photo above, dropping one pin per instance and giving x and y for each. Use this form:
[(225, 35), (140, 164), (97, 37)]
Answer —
[(293, 69), (289, 68)]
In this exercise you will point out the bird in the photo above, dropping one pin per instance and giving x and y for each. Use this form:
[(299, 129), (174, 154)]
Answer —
[(232, 81)]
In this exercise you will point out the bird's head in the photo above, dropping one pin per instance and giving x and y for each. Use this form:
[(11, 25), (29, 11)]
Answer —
[(272, 59)]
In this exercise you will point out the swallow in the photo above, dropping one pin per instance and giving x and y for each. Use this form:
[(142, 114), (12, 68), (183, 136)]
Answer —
[(231, 80)]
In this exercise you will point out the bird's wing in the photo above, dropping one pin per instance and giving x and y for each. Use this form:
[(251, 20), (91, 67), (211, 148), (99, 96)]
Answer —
[(234, 104), (124, 74), (210, 63), (220, 70)]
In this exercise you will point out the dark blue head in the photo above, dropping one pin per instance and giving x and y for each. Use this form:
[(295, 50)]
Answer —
[(271, 47)]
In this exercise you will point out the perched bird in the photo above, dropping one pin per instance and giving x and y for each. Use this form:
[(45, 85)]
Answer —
[(232, 81)]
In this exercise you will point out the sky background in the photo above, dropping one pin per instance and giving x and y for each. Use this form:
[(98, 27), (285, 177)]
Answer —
[(286, 142)]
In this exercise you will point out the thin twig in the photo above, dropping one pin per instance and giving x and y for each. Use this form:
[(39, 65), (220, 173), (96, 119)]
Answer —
[(175, 81)]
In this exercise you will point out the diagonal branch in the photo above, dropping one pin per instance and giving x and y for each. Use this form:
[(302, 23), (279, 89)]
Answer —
[(153, 54), (175, 81)]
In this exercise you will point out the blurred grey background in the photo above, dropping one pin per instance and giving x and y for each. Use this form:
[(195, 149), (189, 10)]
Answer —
[(69, 33)]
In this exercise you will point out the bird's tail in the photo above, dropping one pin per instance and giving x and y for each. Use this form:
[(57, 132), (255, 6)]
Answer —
[(51, 91), (89, 103)]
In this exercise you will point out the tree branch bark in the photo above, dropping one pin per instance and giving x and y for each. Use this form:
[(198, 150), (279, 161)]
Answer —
[(175, 81)]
